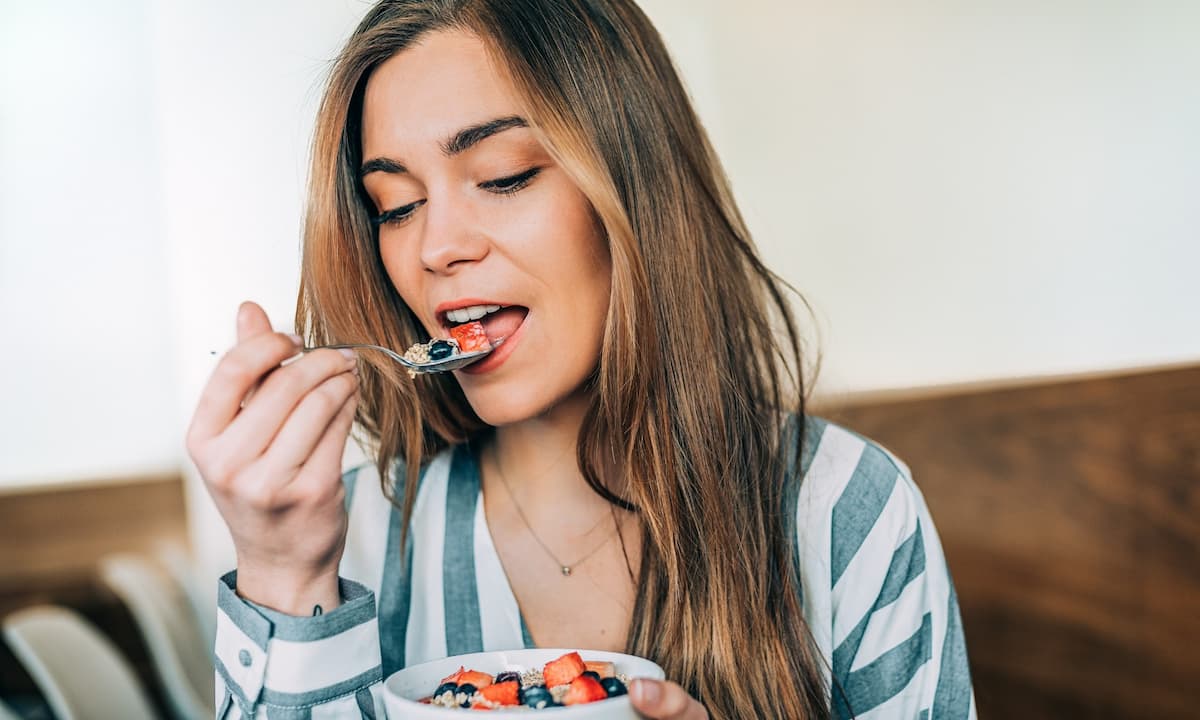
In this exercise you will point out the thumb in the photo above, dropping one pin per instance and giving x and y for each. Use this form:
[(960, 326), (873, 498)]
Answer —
[(251, 321), (647, 696)]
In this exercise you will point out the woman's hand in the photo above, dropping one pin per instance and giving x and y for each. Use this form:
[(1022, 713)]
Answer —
[(662, 700), (268, 441)]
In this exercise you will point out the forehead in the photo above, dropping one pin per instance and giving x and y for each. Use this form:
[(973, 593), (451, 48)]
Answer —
[(432, 89)]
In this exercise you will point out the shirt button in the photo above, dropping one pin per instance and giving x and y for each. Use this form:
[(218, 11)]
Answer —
[(244, 658)]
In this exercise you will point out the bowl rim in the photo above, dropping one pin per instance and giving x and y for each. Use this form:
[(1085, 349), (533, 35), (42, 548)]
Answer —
[(656, 673)]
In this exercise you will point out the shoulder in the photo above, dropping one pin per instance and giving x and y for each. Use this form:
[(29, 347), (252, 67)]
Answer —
[(856, 512), (849, 485), (861, 520), (876, 590)]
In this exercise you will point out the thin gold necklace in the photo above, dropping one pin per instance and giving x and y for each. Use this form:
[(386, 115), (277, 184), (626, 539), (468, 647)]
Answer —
[(565, 568)]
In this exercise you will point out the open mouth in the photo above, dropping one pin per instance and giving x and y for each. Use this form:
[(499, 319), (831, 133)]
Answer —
[(499, 321)]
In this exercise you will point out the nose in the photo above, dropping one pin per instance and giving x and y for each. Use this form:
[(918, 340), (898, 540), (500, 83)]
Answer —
[(451, 239)]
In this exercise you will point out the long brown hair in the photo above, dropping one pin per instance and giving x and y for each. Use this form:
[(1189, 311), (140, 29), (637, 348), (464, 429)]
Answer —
[(701, 357)]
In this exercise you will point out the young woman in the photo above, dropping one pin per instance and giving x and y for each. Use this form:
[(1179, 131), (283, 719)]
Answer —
[(631, 470)]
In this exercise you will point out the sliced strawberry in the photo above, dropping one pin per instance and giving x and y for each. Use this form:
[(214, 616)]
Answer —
[(602, 668), (471, 337), (504, 693), (584, 689), (453, 677), (473, 677), (563, 670)]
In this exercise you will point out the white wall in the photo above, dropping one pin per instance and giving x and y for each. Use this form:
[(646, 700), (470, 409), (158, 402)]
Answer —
[(973, 190), (237, 86), (963, 190), (86, 367)]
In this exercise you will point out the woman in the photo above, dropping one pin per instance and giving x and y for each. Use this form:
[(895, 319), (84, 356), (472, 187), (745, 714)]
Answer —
[(631, 470)]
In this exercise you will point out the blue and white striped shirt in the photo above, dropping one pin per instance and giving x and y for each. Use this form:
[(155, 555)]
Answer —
[(877, 595)]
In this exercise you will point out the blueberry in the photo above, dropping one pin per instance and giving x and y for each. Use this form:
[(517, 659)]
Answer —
[(467, 689), (445, 687), (538, 698), (508, 676), (592, 674), (440, 350), (613, 687)]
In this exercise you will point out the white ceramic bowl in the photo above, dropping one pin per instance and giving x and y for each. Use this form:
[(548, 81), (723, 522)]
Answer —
[(403, 689)]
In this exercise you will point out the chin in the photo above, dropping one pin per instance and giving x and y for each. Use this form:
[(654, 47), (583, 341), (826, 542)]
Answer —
[(508, 403), (505, 406)]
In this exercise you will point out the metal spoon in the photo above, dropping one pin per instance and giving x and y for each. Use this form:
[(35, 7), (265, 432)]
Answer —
[(454, 362)]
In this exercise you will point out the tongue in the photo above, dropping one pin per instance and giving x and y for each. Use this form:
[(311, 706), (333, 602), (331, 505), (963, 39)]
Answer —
[(503, 323)]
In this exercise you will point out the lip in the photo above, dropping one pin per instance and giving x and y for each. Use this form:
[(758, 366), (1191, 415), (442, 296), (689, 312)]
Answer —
[(440, 311), (498, 356)]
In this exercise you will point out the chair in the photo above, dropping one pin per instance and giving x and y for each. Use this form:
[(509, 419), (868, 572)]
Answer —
[(165, 619), (201, 596), (81, 673)]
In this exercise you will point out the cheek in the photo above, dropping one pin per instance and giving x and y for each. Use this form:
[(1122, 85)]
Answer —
[(570, 244), (578, 265), (590, 261)]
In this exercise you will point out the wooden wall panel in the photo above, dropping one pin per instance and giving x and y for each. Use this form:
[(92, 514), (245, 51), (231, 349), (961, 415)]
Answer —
[(54, 532), (1070, 515)]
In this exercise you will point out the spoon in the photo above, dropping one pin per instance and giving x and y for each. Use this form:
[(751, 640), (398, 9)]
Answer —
[(454, 362)]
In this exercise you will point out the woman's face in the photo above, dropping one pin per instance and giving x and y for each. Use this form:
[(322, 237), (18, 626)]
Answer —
[(475, 213)]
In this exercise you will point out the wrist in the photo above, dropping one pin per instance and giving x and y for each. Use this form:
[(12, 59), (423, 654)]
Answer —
[(287, 593)]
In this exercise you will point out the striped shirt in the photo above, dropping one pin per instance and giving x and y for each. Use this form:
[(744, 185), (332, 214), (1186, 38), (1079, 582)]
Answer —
[(877, 595)]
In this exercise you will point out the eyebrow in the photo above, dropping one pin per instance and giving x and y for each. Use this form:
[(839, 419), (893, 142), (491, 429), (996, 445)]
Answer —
[(462, 141)]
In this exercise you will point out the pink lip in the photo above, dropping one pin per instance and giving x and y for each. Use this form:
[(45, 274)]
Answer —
[(499, 355)]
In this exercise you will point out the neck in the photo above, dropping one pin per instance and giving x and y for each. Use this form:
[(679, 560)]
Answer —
[(537, 458)]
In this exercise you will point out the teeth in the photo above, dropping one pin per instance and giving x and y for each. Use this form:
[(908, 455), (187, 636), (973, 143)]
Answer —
[(467, 314)]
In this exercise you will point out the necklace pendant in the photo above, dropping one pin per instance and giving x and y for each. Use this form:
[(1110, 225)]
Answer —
[(566, 571)]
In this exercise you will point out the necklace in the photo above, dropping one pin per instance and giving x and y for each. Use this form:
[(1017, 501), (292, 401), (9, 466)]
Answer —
[(565, 568)]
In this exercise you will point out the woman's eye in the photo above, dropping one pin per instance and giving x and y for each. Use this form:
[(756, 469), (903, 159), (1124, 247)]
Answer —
[(510, 184), (396, 215), (500, 186)]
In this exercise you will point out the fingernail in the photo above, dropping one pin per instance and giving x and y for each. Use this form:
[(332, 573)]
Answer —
[(296, 340), (348, 354), (645, 691)]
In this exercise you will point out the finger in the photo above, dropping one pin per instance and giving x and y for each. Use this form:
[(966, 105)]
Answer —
[(238, 371), (329, 450), (256, 426), (319, 412), (251, 321), (321, 476), (664, 701)]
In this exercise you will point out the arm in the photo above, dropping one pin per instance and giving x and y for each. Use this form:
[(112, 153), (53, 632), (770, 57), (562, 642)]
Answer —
[(327, 664), (267, 437), (898, 649), (293, 665)]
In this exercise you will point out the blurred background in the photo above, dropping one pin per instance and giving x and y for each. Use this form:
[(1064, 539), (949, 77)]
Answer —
[(992, 207)]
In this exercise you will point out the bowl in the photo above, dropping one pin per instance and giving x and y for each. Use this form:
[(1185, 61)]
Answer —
[(403, 689)]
